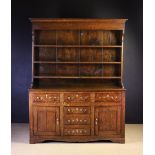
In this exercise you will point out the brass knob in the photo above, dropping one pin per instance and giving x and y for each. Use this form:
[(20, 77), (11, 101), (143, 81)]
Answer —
[(96, 121), (57, 120)]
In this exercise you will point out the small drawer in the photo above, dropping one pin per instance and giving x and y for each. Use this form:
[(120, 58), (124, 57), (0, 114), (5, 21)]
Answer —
[(77, 120), (77, 97), (77, 132), (108, 97), (46, 98), (77, 110)]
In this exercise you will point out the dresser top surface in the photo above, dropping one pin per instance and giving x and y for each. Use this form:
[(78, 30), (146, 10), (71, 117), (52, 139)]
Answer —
[(79, 87), (77, 20)]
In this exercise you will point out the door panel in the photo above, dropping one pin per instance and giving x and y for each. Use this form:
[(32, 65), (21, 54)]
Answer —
[(46, 120), (107, 120)]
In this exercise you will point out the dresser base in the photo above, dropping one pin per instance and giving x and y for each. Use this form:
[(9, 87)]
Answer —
[(73, 140), (77, 116)]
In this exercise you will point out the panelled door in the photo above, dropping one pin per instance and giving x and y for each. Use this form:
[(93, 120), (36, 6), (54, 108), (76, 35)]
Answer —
[(46, 120), (107, 120)]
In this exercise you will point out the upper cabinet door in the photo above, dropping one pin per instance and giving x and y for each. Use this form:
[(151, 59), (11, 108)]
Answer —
[(107, 121), (46, 120)]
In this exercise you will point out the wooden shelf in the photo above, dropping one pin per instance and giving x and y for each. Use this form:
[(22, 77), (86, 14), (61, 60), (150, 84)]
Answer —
[(53, 62), (81, 46), (77, 77), (77, 55)]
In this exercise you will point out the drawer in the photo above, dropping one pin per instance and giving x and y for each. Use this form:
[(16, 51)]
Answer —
[(108, 97), (77, 110), (77, 97), (77, 120), (46, 98), (77, 132)]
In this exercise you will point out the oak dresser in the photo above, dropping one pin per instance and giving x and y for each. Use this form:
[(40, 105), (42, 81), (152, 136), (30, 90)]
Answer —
[(77, 92)]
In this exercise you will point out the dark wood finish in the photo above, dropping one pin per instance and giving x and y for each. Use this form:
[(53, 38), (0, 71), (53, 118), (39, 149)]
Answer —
[(77, 92)]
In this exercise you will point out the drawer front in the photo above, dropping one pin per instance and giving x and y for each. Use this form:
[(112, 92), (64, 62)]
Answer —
[(77, 97), (46, 98), (77, 132), (76, 110), (77, 120), (108, 97)]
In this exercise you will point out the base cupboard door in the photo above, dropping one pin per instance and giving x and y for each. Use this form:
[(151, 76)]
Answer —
[(107, 121), (46, 120)]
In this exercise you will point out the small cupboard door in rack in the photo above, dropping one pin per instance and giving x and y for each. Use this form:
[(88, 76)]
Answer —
[(107, 120), (46, 120)]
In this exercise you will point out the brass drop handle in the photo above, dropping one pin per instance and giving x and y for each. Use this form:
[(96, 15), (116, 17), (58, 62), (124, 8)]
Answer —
[(57, 121), (69, 98), (96, 121)]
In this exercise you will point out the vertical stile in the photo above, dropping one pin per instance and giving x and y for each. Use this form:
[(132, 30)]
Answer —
[(33, 43), (56, 53), (122, 58), (102, 54), (79, 50)]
